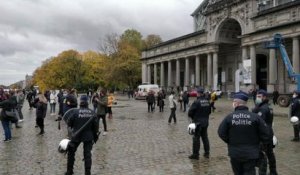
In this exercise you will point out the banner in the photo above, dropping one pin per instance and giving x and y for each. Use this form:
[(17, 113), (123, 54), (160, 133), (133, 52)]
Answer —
[(247, 71)]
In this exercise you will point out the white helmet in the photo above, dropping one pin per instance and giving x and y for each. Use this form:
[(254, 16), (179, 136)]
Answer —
[(63, 146), (294, 120), (275, 141), (191, 128)]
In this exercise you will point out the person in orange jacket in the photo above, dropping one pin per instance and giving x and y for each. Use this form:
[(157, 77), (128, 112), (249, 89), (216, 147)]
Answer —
[(111, 100)]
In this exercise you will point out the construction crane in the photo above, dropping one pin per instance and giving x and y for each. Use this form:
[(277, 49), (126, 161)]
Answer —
[(277, 43)]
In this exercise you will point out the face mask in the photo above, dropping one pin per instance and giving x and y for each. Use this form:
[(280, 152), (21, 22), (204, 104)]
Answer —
[(294, 95), (258, 101)]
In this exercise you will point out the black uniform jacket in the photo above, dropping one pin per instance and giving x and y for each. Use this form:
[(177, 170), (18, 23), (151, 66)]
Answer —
[(78, 119), (199, 111), (243, 131), (295, 111), (266, 113)]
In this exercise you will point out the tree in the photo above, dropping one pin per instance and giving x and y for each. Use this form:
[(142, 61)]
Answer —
[(109, 44), (133, 38), (151, 40), (94, 66)]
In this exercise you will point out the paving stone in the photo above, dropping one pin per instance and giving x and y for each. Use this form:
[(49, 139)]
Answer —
[(138, 143)]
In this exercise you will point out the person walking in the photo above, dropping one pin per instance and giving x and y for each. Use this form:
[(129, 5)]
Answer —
[(53, 100), (266, 113), (7, 104), (243, 131), (150, 101), (14, 98), (40, 103), (102, 109), (111, 100), (180, 99), (199, 113), (185, 99), (88, 135), (213, 98), (60, 99), (30, 99), (160, 101), (172, 105), (20, 102), (94, 101), (295, 112), (275, 97)]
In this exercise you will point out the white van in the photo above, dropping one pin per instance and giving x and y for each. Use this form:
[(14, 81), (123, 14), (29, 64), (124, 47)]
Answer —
[(144, 89)]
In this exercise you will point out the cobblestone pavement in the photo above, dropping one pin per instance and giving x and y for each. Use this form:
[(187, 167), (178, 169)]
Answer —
[(138, 143)]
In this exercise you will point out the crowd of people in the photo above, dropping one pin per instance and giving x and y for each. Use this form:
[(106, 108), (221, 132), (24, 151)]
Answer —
[(248, 133)]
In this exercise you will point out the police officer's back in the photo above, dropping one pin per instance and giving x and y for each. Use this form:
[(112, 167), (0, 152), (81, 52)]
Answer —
[(243, 131), (199, 113), (87, 135)]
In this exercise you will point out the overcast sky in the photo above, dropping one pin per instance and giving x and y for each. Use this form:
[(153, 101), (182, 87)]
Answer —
[(34, 30)]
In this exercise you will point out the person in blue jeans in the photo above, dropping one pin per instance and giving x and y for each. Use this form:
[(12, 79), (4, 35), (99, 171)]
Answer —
[(6, 128), (6, 105)]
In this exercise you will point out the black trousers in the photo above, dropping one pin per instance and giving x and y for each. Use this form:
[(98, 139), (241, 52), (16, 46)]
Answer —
[(184, 105), (161, 108), (87, 147), (200, 132), (150, 107), (268, 151), (172, 115), (40, 123), (243, 166), (296, 131), (103, 117)]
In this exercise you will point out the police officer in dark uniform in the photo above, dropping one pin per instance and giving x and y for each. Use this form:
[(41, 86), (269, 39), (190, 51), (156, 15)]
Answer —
[(88, 135), (199, 113), (243, 131), (295, 111), (266, 113)]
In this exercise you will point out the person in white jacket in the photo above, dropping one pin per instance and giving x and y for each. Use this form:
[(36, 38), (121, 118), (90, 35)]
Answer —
[(172, 105), (53, 100)]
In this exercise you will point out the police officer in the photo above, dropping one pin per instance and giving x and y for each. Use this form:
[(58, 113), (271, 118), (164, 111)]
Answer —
[(87, 135), (295, 111), (266, 113), (199, 113), (243, 131)]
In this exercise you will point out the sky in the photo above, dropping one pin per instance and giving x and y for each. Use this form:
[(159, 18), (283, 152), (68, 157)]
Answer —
[(32, 31)]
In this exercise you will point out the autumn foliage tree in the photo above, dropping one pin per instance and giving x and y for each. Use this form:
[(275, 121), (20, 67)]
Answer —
[(116, 65)]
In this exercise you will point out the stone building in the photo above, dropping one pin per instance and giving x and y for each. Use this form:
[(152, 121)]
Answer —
[(227, 50)]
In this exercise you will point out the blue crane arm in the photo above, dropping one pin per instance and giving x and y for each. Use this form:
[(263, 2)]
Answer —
[(277, 44)]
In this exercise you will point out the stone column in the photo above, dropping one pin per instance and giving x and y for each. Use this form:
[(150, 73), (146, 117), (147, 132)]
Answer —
[(169, 73), (177, 72), (187, 72), (209, 70), (296, 60), (215, 70), (197, 70), (155, 73), (149, 73), (272, 67), (162, 74), (253, 64), (244, 53), (144, 72)]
